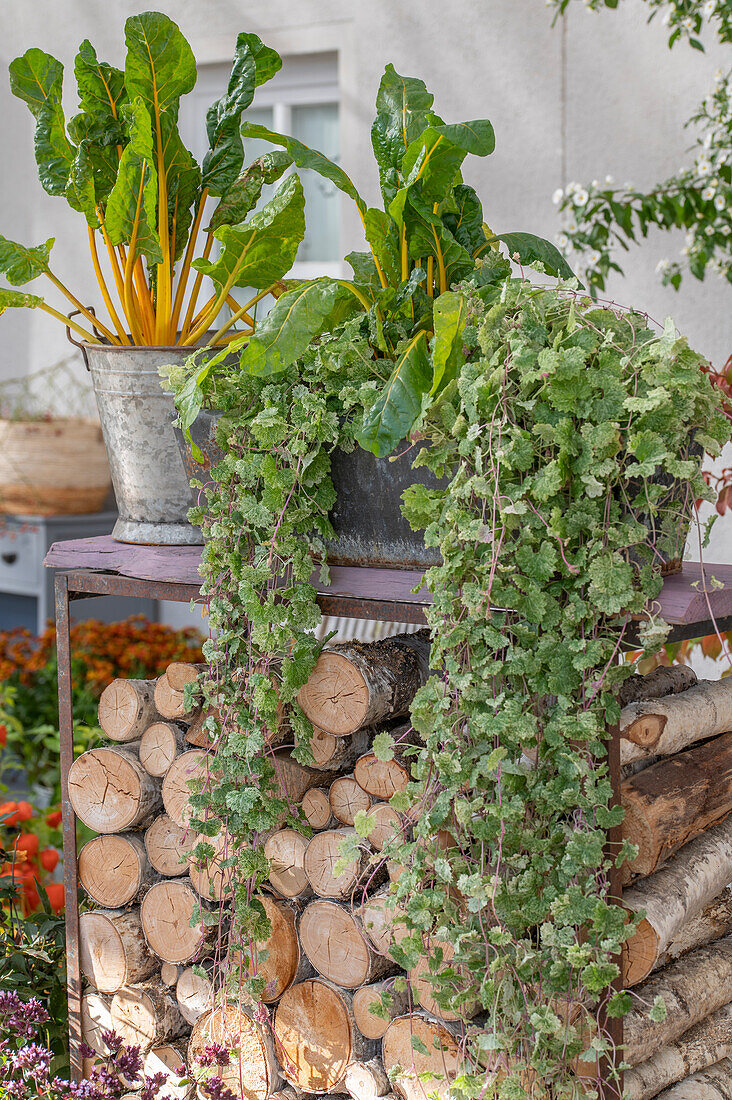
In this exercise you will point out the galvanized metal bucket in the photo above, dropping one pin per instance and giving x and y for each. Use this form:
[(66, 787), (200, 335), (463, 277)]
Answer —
[(149, 478)]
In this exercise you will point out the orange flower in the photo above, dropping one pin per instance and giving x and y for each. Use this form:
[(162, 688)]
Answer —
[(55, 891), (49, 859), (28, 843), (54, 819)]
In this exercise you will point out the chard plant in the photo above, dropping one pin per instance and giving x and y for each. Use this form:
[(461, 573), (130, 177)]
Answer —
[(428, 235), (121, 164)]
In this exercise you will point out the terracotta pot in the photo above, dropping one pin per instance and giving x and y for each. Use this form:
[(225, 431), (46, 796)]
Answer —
[(52, 467)]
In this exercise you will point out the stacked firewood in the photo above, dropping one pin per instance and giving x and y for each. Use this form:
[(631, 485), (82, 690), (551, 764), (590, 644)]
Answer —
[(676, 759), (335, 1015)]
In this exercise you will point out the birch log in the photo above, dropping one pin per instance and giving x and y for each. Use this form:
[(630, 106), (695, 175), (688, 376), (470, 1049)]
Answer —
[(168, 846), (691, 988), (188, 772), (714, 1083), (253, 1072), (674, 895), (166, 913), (318, 1037), (367, 1080), (660, 682), (294, 779), (169, 702), (713, 922), (114, 869), (194, 993), (126, 709), (356, 684), (333, 939), (113, 949), (703, 1045), (662, 727), (375, 1006), (437, 1067), (670, 803), (96, 1018), (147, 1014), (285, 963), (334, 754), (110, 790), (285, 851), (169, 1060), (160, 744)]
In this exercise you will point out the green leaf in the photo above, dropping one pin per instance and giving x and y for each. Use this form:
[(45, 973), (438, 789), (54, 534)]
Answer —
[(132, 202), (403, 109), (37, 79), (260, 252), (101, 87), (531, 249), (399, 404), (449, 313), (10, 299), (267, 61), (295, 319), (245, 192), (183, 183), (476, 137), (305, 157), (435, 157), (160, 66), (429, 236), (225, 154), (383, 746), (466, 223), (658, 1010), (20, 264), (382, 236), (98, 140), (80, 189)]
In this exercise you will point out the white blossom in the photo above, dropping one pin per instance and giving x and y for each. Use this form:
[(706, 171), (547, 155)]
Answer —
[(572, 227), (688, 23), (661, 266), (557, 196), (709, 230), (708, 193), (595, 184), (720, 202), (594, 258), (609, 179), (580, 197), (703, 166), (718, 76), (562, 240), (726, 231), (707, 141), (629, 185), (710, 7)]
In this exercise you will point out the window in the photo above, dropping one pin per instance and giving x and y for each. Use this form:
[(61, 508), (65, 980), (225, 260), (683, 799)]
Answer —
[(302, 100)]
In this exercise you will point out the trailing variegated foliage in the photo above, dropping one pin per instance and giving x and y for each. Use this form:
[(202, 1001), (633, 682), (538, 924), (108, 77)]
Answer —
[(571, 437)]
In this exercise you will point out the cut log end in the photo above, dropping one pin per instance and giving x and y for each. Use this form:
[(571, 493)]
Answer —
[(110, 791), (315, 1035), (126, 707), (253, 1073), (336, 697), (168, 846), (113, 868), (166, 913), (160, 744), (417, 1073), (285, 851), (186, 771), (113, 950), (146, 1015), (333, 940)]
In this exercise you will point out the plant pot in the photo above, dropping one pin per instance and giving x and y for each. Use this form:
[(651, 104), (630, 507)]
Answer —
[(150, 481), (367, 517), (52, 467)]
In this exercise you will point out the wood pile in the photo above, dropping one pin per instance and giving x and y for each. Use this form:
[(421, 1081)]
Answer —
[(676, 758), (337, 1014)]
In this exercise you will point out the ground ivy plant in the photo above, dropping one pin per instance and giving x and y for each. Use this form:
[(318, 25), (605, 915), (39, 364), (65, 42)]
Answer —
[(571, 436)]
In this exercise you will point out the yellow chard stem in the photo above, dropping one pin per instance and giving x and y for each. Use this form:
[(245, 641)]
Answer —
[(164, 284), (114, 263), (137, 334), (82, 308), (103, 287), (196, 290), (88, 336), (430, 276), (405, 255), (187, 261)]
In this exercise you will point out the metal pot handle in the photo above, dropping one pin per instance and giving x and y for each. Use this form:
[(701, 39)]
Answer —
[(76, 343)]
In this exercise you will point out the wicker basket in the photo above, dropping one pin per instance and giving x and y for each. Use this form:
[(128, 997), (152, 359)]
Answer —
[(52, 467)]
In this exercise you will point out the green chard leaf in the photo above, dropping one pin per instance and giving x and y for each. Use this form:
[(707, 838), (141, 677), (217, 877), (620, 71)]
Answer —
[(466, 223), (131, 207), (37, 79), (295, 319), (225, 154), (101, 87), (20, 264), (400, 402), (160, 66), (15, 298), (403, 110), (531, 249), (262, 250), (245, 192), (450, 313), (183, 178)]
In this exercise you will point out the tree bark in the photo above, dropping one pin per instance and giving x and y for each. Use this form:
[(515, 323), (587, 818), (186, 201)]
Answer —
[(665, 726), (160, 744), (439, 1065), (660, 682), (197, 734), (114, 869), (347, 799), (317, 1033), (294, 779), (357, 684), (166, 913), (253, 1072), (691, 988), (703, 1045), (168, 846), (382, 778), (146, 1015), (194, 993), (185, 771), (382, 996), (126, 709), (333, 939), (367, 1080), (674, 895), (670, 803), (113, 949), (286, 962), (285, 851), (110, 790), (316, 810), (713, 922), (714, 1083)]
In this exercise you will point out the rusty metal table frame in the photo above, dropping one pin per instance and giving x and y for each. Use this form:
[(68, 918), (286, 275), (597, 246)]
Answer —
[(84, 583)]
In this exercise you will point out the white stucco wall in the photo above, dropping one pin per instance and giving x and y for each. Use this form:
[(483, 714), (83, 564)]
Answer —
[(600, 94)]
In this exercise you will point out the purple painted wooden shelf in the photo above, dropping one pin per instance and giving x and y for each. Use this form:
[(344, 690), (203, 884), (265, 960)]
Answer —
[(686, 598), (179, 564)]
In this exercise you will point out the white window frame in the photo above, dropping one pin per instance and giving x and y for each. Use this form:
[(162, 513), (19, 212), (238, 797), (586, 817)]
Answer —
[(305, 79)]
